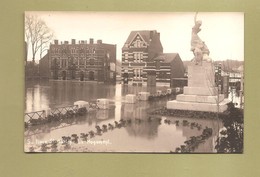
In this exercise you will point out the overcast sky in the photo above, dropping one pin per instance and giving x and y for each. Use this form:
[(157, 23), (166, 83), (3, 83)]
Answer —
[(223, 33)]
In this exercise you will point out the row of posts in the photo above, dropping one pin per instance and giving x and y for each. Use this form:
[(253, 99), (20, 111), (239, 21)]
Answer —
[(103, 103), (144, 96)]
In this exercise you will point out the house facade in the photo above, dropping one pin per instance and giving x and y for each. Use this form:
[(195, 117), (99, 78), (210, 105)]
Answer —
[(84, 61), (143, 60)]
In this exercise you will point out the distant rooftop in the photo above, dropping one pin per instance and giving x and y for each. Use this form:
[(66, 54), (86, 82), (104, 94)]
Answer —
[(166, 57), (146, 35)]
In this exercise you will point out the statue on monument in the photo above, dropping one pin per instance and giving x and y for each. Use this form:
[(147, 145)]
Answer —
[(198, 47)]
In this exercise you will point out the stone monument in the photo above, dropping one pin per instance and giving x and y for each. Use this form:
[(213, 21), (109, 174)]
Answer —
[(201, 94), (198, 47)]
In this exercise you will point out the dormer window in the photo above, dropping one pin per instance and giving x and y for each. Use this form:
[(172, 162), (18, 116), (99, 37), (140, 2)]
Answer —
[(138, 43)]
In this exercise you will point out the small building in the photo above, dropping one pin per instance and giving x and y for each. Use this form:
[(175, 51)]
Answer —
[(44, 69), (80, 61), (168, 66), (143, 60)]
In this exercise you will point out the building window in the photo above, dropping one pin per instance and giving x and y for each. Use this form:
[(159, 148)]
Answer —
[(138, 57), (138, 44), (81, 62), (91, 61), (73, 50), (55, 50), (135, 57), (138, 73)]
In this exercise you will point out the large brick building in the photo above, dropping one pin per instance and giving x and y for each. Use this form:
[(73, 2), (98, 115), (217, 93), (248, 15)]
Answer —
[(80, 61), (143, 60)]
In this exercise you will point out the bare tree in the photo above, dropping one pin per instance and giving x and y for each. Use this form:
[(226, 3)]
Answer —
[(37, 35)]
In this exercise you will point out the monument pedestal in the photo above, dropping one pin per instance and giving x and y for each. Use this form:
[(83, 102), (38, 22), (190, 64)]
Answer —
[(201, 94)]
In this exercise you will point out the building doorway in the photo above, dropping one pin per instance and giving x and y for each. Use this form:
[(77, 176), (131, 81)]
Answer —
[(125, 78), (73, 74), (81, 75), (151, 78), (55, 69), (91, 75), (55, 75), (64, 75)]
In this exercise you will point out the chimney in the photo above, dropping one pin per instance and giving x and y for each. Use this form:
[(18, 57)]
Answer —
[(151, 34), (82, 42), (99, 41), (91, 40), (56, 42), (73, 41), (66, 42)]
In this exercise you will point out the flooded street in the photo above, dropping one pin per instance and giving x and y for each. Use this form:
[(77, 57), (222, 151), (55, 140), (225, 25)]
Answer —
[(147, 136)]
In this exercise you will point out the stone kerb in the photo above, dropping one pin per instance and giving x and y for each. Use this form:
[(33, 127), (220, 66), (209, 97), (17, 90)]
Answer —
[(199, 98), (195, 106)]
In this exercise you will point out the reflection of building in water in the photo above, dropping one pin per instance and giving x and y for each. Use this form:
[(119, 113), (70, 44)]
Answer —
[(148, 130), (128, 89), (66, 93), (102, 114), (139, 111), (128, 111), (135, 111), (118, 102), (151, 89), (118, 111), (36, 98)]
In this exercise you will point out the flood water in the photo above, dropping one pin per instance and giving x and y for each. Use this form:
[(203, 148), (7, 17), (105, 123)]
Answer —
[(136, 137)]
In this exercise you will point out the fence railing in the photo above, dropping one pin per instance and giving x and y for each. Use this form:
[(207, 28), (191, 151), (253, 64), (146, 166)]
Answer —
[(64, 110), (35, 115), (55, 114)]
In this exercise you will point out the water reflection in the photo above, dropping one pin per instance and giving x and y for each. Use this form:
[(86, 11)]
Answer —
[(136, 137)]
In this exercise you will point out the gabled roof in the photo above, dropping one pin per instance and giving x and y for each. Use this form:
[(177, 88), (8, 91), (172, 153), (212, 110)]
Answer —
[(145, 34), (167, 57)]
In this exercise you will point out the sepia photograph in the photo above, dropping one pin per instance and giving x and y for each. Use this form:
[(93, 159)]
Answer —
[(134, 82)]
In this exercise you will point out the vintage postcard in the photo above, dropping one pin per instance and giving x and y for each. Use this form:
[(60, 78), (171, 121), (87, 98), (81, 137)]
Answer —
[(134, 82)]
